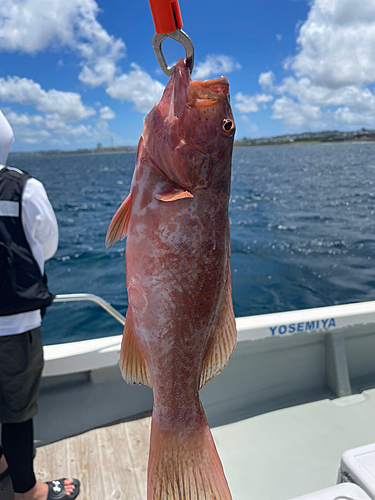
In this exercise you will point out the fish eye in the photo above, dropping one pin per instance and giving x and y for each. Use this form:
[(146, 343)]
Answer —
[(227, 127)]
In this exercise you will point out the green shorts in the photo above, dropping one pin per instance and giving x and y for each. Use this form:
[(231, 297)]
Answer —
[(21, 365)]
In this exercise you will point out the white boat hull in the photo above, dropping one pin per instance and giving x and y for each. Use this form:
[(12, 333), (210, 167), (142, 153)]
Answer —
[(281, 360)]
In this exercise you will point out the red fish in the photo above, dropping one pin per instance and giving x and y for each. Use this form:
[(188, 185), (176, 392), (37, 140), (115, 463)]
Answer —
[(180, 329)]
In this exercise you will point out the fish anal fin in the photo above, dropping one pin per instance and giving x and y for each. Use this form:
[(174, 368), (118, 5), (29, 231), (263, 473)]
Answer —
[(132, 361), (173, 195), (221, 346), (118, 227)]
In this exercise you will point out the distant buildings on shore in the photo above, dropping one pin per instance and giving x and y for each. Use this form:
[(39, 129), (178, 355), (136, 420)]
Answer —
[(326, 136)]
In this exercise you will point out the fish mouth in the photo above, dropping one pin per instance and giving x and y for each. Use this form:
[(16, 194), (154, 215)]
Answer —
[(182, 91), (208, 92)]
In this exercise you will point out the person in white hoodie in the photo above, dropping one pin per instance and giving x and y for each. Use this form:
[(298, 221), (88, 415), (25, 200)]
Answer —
[(28, 237)]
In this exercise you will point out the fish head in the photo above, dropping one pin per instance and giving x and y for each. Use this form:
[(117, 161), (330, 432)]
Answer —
[(189, 133)]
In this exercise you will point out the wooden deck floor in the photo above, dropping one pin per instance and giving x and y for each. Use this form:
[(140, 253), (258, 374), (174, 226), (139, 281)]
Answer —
[(110, 462)]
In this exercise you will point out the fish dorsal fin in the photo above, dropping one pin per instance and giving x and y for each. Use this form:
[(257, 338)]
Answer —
[(118, 227), (223, 341), (173, 195), (132, 361)]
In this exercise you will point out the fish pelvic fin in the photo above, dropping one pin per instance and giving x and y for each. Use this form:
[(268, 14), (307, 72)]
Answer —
[(184, 463), (132, 361), (118, 227), (223, 341)]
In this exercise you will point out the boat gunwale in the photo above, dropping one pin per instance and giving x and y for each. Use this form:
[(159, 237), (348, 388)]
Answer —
[(93, 354)]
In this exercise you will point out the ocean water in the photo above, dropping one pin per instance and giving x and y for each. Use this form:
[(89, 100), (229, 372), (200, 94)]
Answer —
[(302, 231)]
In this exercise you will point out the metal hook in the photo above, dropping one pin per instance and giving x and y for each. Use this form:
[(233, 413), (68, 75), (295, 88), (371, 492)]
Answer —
[(181, 37)]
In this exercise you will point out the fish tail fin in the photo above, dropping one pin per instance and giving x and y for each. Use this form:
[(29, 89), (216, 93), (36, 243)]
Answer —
[(184, 463)]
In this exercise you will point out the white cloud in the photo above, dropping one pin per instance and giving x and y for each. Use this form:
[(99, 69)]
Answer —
[(137, 87), (52, 130), (215, 65), (265, 80), (249, 104), (299, 115), (333, 70), (296, 114), (67, 105), (337, 43), (31, 26), (31, 137), (279, 37), (358, 98), (101, 70), (22, 119), (345, 115), (55, 124), (107, 113), (346, 106)]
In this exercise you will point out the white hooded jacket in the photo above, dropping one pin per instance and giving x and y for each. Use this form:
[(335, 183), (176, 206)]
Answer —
[(6, 139), (40, 226)]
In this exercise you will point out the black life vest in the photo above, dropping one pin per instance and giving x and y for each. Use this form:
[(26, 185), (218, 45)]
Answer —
[(22, 285)]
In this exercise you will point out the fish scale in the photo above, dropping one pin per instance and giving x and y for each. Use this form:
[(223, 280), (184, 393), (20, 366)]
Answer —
[(180, 329)]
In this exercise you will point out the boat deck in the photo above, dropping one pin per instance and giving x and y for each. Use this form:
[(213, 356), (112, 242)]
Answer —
[(275, 456), (288, 453), (111, 462)]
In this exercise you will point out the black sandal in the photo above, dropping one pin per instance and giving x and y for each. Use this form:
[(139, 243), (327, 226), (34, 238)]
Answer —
[(4, 474), (56, 490)]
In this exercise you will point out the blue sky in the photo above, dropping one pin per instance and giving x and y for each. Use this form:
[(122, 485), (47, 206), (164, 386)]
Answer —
[(77, 72)]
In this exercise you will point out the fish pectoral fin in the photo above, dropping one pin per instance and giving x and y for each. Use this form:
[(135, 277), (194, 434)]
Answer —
[(118, 227), (173, 195), (132, 361), (223, 341)]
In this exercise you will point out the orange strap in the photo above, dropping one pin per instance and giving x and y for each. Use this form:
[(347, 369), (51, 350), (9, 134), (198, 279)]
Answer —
[(166, 15)]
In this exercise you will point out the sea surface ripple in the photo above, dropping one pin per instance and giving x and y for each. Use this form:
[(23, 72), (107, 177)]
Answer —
[(302, 231)]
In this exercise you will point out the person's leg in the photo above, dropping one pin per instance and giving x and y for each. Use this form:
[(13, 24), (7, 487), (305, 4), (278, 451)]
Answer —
[(21, 364), (17, 440), (3, 462)]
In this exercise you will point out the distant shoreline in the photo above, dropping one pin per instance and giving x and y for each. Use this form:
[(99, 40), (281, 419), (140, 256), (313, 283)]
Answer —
[(302, 143), (326, 137), (106, 151)]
